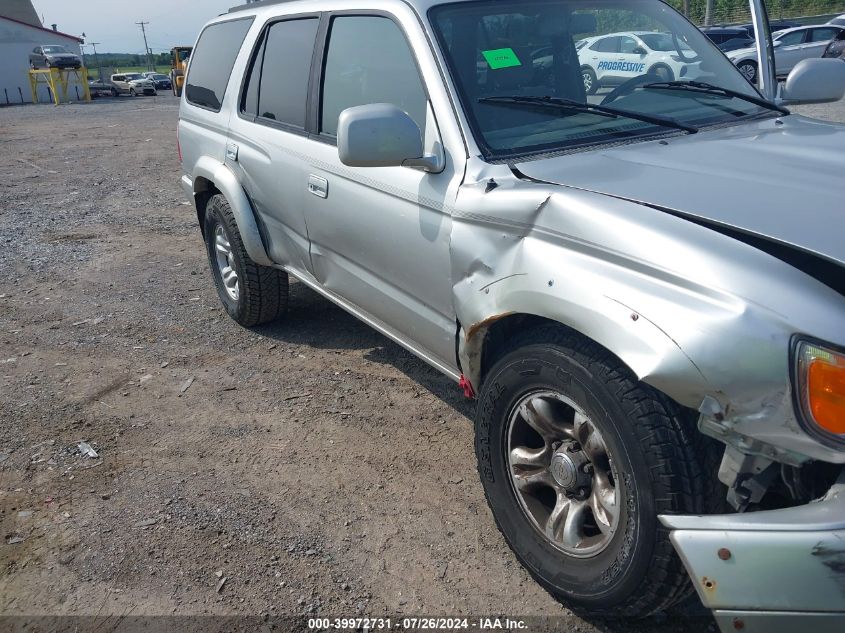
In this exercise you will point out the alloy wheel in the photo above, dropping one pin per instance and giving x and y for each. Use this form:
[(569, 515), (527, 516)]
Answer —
[(226, 263), (562, 473), (749, 72)]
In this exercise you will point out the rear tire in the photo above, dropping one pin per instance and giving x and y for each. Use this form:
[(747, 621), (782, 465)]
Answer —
[(591, 82), (251, 294), (642, 463)]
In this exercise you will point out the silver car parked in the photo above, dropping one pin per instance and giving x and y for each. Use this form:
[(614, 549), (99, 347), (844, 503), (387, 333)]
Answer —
[(790, 47), (645, 292), (53, 56)]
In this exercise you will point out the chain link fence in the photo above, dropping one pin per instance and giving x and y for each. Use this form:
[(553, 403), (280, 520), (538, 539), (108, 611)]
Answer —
[(728, 12)]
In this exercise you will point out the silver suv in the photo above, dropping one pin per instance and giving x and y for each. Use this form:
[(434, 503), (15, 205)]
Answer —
[(644, 288)]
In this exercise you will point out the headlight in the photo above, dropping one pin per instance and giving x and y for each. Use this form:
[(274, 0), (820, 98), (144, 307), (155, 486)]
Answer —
[(820, 389)]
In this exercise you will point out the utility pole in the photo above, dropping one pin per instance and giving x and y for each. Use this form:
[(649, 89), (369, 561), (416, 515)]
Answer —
[(146, 47), (97, 60)]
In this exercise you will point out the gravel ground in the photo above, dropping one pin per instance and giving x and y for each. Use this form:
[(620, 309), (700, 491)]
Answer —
[(309, 467), (826, 111)]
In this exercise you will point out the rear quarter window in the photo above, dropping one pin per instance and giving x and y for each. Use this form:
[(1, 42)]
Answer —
[(212, 62)]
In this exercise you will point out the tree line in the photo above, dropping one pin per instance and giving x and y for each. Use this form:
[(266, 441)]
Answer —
[(119, 60), (718, 11)]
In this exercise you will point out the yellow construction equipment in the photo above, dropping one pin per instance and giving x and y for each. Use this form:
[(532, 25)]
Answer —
[(57, 79), (179, 56)]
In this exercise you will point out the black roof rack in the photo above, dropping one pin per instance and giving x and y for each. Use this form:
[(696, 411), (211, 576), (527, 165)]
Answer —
[(257, 5)]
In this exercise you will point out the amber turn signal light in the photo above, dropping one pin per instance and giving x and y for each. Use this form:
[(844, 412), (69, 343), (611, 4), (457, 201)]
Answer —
[(821, 373)]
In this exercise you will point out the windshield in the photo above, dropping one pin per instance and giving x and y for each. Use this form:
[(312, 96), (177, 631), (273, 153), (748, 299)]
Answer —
[(625, 55), (133, 76), (54, 49)]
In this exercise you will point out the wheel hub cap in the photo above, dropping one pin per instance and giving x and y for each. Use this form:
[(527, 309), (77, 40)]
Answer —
[(226, 263), (569, 468), (562, 473)]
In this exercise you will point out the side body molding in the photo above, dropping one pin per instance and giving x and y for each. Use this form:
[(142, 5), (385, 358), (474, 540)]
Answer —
[(207, 173)]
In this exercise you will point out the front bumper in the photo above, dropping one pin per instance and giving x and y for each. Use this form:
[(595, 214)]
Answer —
[(147, 90), (187, 186), (775, 570), (64, 63)]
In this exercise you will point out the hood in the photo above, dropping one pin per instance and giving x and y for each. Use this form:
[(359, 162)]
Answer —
[(741, 52), (784, 182), (61, 55)]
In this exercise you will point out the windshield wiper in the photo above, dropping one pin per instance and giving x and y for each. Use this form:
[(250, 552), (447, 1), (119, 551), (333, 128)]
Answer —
[(558, 103), (701, 86)]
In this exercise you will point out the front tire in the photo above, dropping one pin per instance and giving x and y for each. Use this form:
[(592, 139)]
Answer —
[(132, 92), (662, 72), (251, 294), (748, 69), (577, 459)]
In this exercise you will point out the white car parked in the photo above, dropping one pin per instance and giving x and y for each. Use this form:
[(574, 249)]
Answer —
[(612, 59), (133, 84), (791, 46)]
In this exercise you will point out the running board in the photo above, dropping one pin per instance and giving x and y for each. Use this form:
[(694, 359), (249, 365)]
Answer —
[(372, 322)]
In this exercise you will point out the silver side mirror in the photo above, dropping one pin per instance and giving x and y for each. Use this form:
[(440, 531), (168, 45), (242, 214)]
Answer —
[(814, 80), (381, 135)]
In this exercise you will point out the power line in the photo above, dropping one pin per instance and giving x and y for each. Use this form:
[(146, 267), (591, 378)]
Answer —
[(146, 48), (97, 59)]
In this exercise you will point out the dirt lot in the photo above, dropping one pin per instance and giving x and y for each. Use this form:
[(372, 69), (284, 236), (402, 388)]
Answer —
[(310, 467)]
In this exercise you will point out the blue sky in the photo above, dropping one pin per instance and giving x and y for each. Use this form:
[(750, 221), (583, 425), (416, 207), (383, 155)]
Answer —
[(112, 22)]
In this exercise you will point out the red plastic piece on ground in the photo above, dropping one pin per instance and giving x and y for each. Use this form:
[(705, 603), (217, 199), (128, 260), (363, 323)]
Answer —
[(466, 385)]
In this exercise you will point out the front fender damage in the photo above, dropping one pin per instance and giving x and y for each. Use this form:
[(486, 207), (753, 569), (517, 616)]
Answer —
[(507, 259), (657, 291)]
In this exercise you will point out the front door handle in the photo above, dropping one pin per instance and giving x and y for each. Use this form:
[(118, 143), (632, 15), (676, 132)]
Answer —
[(318, 186)]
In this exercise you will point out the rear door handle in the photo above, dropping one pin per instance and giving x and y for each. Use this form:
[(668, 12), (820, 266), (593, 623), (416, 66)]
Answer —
[(318, 186)]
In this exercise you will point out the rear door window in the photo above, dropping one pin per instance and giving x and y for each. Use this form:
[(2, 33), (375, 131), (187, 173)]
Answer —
[(607, 45), (212, 62), (277, 87), (369, 61)]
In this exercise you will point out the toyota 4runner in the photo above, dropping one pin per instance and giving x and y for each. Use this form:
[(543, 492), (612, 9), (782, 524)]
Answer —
[(643, 287)]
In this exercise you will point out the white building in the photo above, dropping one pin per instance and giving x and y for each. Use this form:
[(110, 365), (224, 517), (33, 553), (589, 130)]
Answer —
[(20, 32)]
